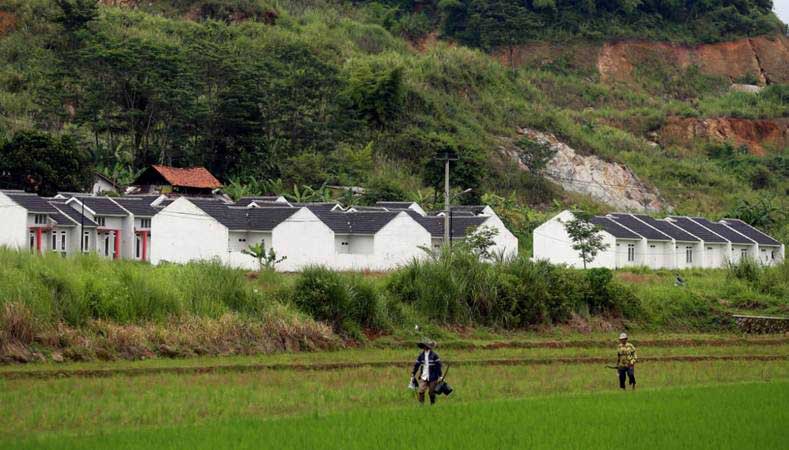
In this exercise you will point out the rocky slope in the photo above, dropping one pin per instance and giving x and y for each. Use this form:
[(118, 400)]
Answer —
[(610, 183)]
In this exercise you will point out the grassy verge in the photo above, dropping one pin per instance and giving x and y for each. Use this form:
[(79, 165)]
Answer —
[(737, 416)]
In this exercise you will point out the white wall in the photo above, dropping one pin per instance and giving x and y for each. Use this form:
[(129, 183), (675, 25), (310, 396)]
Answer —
[(184, 233), (505, 243), (304, 239), (398, 242), (13, 224), (552, 243)]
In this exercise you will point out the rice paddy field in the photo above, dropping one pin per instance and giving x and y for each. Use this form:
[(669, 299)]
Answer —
[(694, 391)]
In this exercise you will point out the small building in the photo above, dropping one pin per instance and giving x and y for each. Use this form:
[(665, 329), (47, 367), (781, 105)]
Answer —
[(677, 242), (114, 224), (193, 181), (103, 185)]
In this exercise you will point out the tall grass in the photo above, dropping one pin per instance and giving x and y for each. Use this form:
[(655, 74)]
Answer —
[(77, 289)]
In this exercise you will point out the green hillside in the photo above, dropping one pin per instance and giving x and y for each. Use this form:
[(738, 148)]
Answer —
[(270, 96)]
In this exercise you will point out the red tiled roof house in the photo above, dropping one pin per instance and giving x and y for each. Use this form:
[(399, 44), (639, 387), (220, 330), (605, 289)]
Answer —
[(188, 180)]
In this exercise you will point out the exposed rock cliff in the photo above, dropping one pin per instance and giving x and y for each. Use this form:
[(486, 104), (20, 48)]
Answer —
[(607, 182)]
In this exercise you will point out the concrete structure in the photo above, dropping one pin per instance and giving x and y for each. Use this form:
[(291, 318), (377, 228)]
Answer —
[(103, 185), (674, 243), (156, 228)]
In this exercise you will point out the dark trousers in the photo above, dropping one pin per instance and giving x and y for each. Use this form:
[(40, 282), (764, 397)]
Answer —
[(630, 373)]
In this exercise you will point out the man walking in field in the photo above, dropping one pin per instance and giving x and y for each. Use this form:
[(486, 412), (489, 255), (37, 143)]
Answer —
[(427, 371), (626, 361)]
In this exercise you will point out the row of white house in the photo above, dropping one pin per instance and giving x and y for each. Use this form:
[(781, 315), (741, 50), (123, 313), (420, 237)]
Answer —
[(161, 229), (676, 242)]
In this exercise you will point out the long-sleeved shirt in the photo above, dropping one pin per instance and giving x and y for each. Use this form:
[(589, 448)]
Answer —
[(626, 355)]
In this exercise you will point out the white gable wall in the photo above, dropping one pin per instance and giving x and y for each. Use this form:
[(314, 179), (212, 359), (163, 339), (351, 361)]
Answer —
[(505, 243), (552, 243), (398, 242), (184, 233), (305, 240), (13, 224)]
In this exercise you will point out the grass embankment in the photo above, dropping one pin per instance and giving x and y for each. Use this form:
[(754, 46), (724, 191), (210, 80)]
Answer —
[(85, 308)]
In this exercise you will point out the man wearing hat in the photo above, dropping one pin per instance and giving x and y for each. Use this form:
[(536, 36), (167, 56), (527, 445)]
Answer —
[(427, 371), (626, 361)]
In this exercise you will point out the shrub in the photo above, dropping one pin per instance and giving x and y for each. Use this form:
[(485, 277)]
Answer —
[(746, 269), (346, 303)]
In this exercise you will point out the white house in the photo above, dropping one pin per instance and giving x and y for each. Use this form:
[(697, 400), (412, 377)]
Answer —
[(103, 185), (202, 229), (675, 243), (377, 238), (28, 221)]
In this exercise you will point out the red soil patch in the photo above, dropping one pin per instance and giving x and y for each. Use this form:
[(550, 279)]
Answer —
[(755, 134), (7, 22)]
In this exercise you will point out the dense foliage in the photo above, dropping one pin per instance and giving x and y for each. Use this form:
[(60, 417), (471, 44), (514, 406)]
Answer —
[(299, 96)]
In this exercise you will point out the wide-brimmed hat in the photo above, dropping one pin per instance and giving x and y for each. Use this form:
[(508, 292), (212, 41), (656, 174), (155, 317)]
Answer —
[(426, 343)]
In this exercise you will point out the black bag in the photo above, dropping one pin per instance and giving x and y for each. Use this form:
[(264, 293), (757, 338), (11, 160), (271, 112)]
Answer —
[(443, 388)]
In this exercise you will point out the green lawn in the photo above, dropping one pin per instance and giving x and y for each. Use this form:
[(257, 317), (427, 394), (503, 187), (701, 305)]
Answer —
[(749, 415)]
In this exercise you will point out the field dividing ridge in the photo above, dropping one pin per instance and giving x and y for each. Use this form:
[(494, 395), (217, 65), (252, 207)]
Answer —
[(109, 372)]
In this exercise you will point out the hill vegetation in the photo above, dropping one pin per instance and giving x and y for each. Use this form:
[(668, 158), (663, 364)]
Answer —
[(294, 96)]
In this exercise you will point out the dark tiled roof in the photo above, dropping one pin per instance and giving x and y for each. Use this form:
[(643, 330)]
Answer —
[(355, 222), (61, 219), (324, 206), (370, 208), (399, 205), (435, 224), (139, 206), (750, 232), (462, 213), (639, 227), (668, 229), (614, 228), (103, 206), (192, 177), (474, 209), (74, 215), (729, 234), (240, 219), (697, 230), (32, 202), (244, 201)]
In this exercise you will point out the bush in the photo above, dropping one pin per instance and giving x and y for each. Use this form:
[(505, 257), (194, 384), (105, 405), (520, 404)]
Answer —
[(346, 303), (746, 269)]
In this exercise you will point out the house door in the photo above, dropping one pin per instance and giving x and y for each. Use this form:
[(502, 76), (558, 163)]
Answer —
[(106, 247)]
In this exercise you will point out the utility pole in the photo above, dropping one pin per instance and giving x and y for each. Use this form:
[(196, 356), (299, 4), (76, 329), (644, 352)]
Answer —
[(446, 156)]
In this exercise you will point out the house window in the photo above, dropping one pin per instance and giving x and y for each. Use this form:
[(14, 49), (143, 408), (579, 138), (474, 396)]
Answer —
[(32, 241), (137, 243), (145, 223), (106, 244), (40, 219), (85, 242), (743, 253), (242, 240), (772, 255), (63, 241), (631, 252), (709, 249), (688, 255), (54, 241), (101, 221)]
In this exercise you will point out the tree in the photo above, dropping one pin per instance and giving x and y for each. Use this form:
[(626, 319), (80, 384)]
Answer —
[(38, 162), (586, 237), (76, 13), (465, 173), (266, 260), (535, 155), (480, 240), (375, 91)]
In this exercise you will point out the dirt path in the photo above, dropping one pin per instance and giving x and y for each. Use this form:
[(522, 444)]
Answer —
[(661, 343), (49, 374)]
